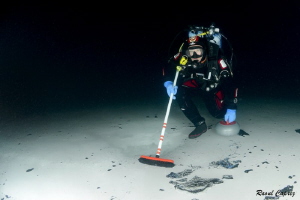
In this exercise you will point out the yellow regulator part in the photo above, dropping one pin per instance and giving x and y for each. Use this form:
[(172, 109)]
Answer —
[(183, 60), (205, 33), (178, 68)]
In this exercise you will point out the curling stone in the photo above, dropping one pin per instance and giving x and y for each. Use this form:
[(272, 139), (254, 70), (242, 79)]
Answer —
[(227, 129)]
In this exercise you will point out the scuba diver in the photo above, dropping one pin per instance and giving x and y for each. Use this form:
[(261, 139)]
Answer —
[(202, 70)]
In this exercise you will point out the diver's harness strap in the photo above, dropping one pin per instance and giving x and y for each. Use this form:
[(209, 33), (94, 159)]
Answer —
[(213, 50), (212, 79)]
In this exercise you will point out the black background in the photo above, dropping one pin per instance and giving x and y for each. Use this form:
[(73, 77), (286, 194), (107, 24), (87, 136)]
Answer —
[(54, 57)]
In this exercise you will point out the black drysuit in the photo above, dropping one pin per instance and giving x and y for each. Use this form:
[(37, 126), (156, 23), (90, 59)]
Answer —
[(212, 79)]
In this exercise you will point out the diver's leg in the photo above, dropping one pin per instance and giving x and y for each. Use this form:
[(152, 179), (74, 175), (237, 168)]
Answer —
[(184, 100), (214, 102)]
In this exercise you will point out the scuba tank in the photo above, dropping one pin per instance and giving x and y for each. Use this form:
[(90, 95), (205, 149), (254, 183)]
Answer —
[(212, 34)]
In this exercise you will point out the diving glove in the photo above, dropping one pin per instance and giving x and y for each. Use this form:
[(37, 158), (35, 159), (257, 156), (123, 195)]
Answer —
[(230, 116), (171, 88)]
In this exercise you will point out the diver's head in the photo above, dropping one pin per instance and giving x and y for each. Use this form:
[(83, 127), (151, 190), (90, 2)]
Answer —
[(196, 49)]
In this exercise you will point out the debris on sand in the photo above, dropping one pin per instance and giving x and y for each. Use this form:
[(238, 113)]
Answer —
[(242, 133), (225, 163), (196, 184), (186, 172)]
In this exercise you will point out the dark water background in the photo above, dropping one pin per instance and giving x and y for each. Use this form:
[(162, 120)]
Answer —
[(55, 57)]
